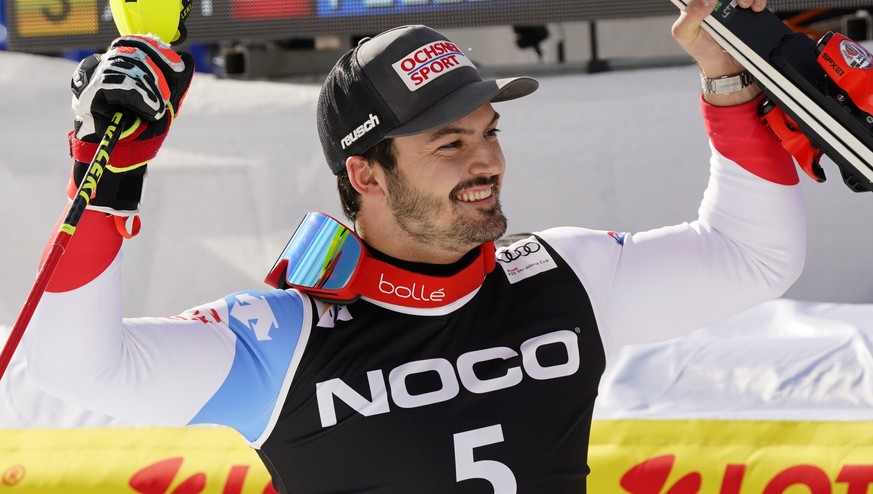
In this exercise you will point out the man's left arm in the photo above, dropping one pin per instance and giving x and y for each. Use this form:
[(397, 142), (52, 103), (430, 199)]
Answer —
[(748, 244)]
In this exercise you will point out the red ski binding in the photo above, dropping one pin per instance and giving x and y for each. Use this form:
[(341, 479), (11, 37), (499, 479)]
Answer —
[(848, 81)]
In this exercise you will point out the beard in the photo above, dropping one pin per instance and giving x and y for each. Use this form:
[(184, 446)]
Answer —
[(418, 213)]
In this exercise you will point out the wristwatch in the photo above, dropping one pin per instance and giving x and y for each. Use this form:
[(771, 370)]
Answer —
[(727, 84)]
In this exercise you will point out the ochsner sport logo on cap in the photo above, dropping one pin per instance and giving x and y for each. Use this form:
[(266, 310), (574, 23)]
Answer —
[(430, 62)]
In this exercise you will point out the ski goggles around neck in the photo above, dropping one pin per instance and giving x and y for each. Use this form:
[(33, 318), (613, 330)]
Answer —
[(328, 261)]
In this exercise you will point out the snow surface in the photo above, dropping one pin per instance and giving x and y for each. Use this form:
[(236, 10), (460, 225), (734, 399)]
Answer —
[(623, 151)]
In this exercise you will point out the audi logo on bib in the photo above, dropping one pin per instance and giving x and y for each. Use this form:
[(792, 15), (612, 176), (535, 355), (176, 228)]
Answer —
[(524, 259), (518, 252)]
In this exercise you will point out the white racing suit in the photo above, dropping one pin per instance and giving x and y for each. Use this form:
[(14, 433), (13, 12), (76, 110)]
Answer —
[(493, 393)]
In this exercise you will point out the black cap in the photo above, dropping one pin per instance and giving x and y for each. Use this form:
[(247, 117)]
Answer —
[(405, 81)]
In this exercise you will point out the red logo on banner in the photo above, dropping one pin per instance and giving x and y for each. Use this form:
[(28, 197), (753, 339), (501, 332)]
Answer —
[(650, 477), (269, 9), (13, 475), (158, 477)]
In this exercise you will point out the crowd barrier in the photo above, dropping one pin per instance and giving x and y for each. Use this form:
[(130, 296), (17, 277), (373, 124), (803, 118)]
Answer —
[(626, 457)]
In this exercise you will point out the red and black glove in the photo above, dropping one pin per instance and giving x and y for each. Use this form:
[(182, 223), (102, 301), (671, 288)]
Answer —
[(144, 78)]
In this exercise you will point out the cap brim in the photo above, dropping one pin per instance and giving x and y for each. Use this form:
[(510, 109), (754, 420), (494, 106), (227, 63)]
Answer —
[(464, 101)]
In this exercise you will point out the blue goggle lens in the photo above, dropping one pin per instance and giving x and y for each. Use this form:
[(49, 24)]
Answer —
[(323, 254)]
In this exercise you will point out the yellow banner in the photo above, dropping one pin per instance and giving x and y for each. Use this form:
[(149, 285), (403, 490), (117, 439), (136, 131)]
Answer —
[(120, 461), (55, 17), (731, 457), (626, 457)]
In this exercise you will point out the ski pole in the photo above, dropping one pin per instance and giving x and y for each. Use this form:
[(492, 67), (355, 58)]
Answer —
[(64, 234)]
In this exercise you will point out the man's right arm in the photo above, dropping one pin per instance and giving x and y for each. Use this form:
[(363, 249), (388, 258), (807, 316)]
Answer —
[(226, 362), (190, 368)]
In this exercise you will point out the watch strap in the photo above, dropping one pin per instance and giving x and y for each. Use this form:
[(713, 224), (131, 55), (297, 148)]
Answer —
[(727, 84)]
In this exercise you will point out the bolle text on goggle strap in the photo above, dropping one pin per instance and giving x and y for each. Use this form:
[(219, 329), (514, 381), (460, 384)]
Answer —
[(328, 261)]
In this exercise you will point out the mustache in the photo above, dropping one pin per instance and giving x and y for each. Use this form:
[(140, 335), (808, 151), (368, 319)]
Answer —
[(476, 182)]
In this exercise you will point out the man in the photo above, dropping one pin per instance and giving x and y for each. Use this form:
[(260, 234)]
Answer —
[(439, 366)]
